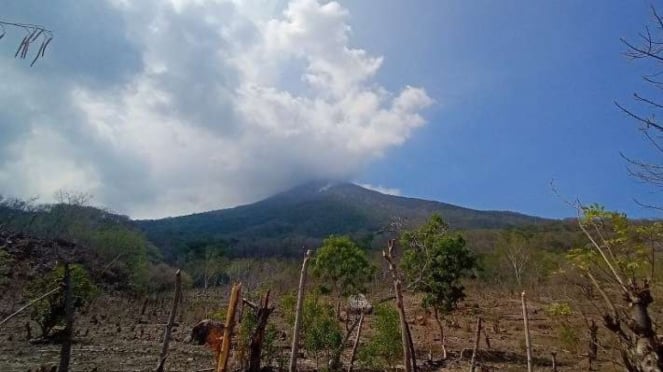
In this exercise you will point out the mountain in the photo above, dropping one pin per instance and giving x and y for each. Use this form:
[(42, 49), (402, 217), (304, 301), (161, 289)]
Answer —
[(283, 223)]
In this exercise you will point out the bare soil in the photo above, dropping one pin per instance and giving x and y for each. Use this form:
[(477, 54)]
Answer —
[(112, 335)]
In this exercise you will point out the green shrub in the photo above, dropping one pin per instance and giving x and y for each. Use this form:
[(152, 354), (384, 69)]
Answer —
[(50, 311), (384, 349)]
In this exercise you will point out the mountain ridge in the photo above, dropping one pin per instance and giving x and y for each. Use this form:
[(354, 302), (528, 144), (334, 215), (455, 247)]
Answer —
[(309, 212)]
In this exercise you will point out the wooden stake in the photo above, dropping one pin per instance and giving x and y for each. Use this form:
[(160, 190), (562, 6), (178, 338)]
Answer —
[(553, 356), (356, 343), (65, 351), (477, 338), (298, 314), (222, 365), (527, 338), (171, 321)]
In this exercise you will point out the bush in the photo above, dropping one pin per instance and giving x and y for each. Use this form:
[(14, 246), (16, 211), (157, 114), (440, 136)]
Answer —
[(50, 311), (161, 278), (321, 333), (384, 349)]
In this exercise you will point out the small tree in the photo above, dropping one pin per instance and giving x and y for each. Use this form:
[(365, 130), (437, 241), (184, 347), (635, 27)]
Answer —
[(384, 346), (434, 263), (648, 105), (618, 261), (342, 264), (514, 249), (50, 311)]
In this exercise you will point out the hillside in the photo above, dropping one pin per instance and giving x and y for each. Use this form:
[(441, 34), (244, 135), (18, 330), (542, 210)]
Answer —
[(281, 224)]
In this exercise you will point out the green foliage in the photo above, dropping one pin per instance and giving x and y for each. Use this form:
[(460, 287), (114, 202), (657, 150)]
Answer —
[(384, 347), (567, 334), (558, 310), (343, 264), (121, 251), (270, 348), (568, 337), (320, 331), (627, 246), (124, 249), (50, 311), (434, 263)]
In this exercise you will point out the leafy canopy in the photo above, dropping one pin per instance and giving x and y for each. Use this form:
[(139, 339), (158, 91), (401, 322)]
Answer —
[(343, 264), (434, 263)]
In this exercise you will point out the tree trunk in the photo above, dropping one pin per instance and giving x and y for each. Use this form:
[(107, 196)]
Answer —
[(258, 335), (298, 314), (442, 337), (647, 351), (408, 357)]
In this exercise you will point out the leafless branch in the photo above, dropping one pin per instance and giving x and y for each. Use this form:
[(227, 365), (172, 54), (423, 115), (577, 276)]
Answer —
[(33, 34)]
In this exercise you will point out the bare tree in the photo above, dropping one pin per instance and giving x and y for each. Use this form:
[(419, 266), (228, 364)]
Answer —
[(33, 34), (648, 49)]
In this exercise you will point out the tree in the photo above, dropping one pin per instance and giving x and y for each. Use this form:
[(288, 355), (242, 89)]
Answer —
[(650, 51), (50, 311), (341, 263), (514, 248), (205, 261), (434, 263), (617, 260)]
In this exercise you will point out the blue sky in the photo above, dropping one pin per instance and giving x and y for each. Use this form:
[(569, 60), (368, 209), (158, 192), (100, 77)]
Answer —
[(161, 108), (524, 95)]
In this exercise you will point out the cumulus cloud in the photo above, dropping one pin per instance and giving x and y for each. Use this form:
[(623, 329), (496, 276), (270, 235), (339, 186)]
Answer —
[(206, 104)]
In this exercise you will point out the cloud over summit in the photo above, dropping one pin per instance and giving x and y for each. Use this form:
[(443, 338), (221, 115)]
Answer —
[(208, 104)]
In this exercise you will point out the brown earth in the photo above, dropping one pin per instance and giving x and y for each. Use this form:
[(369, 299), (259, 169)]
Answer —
[(112, 335)]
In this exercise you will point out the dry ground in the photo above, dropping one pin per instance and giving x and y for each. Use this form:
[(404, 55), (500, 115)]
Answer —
[(112, 335)]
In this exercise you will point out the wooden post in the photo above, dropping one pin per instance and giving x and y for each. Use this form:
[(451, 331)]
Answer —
[(409, 363), (228, 330), (298, 315), (356, 343), (65, 351), (553, 356), (527, 338), (171, 321), (477, 338)]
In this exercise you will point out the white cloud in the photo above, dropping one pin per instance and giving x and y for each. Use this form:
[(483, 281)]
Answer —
[(381, 189), (230, 104)]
